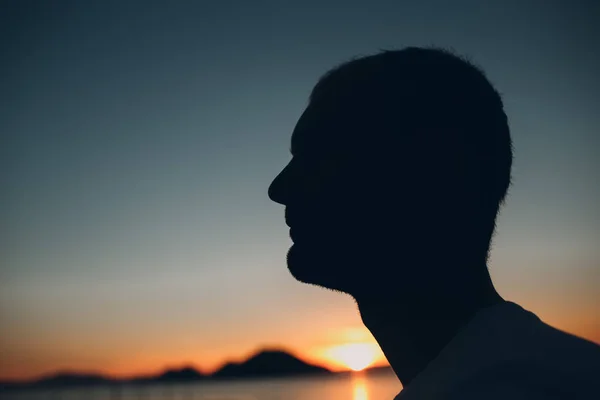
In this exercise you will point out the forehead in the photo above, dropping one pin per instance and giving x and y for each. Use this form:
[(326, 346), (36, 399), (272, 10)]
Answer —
[(303, 130), (316, 130)]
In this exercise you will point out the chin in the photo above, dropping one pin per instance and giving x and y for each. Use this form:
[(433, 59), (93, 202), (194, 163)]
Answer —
[(317, 267)]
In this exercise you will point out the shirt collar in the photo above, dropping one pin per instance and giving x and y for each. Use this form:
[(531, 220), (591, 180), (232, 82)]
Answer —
[(485, 341)]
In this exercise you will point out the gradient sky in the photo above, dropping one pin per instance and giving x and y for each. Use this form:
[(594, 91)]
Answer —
[(139, 140)]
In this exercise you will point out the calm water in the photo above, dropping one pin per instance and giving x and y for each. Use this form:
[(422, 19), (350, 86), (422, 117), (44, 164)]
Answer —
[(356, 387)]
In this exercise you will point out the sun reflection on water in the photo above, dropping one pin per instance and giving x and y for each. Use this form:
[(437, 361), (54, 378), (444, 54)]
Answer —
[(359, 387)]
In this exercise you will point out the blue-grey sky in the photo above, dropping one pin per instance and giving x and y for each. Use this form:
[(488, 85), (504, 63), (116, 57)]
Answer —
[(139, 139)]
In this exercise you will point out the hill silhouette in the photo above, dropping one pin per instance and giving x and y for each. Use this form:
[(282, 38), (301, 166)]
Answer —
[(68, 379), (265, 363), (268, 363), (185, 374)]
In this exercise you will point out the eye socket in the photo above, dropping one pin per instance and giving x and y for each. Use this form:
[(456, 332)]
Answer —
[(319, 172), (317, 164)]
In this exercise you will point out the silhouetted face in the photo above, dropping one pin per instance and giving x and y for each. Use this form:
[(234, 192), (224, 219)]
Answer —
[(396, 175), (347, 207)]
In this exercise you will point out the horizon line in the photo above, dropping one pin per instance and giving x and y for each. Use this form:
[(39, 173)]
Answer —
[(180, 366)]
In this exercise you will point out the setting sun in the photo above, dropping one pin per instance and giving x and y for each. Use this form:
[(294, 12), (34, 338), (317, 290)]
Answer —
[(356, 356)]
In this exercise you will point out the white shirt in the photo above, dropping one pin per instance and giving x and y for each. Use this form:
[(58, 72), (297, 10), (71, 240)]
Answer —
[(506, 352)]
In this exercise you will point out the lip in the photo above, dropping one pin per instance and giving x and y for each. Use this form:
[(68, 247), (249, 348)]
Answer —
[(295, 234), (289, 220)]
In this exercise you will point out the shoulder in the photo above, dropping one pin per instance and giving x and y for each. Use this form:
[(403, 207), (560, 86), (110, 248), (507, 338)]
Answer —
[(565, 354), (498, 391), (535, 349), (507, 380), (530, 378)]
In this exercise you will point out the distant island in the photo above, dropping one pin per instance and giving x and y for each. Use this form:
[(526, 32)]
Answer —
[(263, 364)]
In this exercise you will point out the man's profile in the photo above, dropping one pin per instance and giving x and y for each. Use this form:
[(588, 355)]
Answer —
[(400, 164)]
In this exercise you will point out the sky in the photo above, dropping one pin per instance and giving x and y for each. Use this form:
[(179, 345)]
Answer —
[(138, 140)]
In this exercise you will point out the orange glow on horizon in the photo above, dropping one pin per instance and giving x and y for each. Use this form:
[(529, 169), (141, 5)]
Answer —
[(340, 349)]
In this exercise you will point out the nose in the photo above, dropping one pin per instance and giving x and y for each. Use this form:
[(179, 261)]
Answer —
[(276, 190)]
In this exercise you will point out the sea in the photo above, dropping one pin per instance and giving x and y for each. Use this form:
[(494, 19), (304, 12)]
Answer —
[(356, 386)]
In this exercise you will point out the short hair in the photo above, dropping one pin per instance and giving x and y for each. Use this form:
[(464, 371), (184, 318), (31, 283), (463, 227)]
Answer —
[(439, 94)]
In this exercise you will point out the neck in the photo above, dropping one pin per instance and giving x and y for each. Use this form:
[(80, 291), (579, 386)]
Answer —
[(413, 329)]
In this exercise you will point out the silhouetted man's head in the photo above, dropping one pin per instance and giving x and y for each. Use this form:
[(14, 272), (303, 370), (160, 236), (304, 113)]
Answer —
[(401, 159)]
